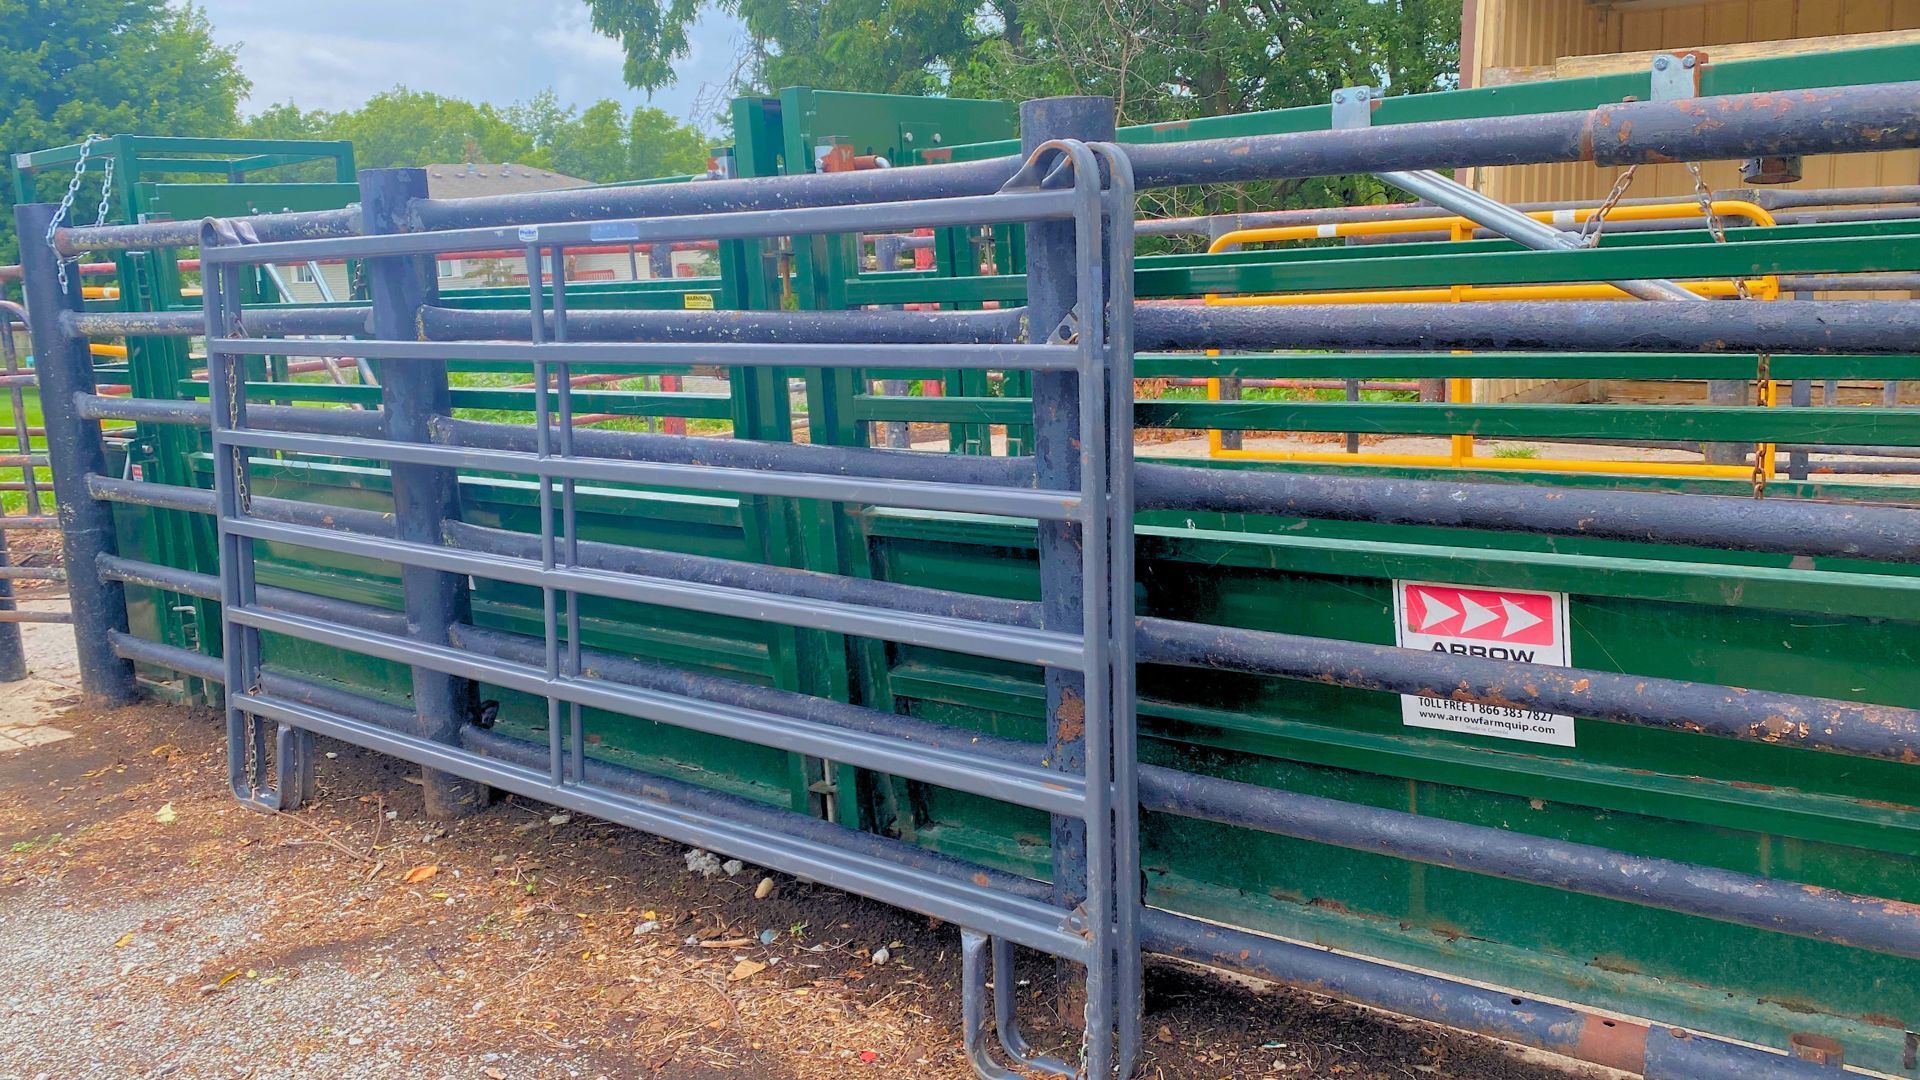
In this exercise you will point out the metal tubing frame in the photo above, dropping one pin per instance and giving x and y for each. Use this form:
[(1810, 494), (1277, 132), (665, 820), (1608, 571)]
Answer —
[(1094, 932), (74, 449), (1878, 731), (424, 493), (1884, 122), (1406, 992), (1743, 899), (1655, 1051)]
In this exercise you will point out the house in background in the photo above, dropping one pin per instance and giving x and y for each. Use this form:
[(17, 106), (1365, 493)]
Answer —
[(310, 282)]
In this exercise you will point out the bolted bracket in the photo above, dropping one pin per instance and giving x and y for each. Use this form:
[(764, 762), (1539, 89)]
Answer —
[(1068, 332), (1676, 76), (1353, 107)]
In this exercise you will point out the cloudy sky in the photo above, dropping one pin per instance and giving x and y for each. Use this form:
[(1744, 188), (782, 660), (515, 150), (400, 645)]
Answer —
[(336, 53)]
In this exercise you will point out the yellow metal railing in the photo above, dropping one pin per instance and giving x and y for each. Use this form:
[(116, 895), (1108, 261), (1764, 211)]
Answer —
[(1460, 450)]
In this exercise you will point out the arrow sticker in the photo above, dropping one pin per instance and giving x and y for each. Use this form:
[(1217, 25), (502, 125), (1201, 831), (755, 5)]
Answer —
[(1519, 627), (1434, 612), (1518, 618), (1477, 616)]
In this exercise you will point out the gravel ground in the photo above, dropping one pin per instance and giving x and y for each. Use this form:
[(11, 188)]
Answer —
[(152, 927)]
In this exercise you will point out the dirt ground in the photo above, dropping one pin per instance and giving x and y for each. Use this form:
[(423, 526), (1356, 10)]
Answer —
[(150, 926)]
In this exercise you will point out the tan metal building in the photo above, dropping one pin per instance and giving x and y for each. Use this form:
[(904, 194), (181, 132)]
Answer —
[(1504, 42), (1508, 41)]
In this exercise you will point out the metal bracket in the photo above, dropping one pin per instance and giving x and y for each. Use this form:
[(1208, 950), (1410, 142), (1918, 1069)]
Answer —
[(1676, 76), (1353, 107), (1068, 332), (291, 783), (977, 1022)]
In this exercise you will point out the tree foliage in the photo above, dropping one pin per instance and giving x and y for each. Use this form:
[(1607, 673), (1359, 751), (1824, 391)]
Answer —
[(402, 127), (1160, 59), (69, 68)]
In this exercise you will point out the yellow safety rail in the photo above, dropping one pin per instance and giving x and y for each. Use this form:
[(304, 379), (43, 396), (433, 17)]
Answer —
[(1460, 390), (112, 292)]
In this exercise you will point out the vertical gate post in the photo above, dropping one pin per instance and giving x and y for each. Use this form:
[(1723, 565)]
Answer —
[(64, 365), (13, 656), (1051, 290), (413, 393)]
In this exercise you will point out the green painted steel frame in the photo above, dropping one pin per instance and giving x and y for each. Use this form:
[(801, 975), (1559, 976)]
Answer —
[(1846, 67), (152, 281)]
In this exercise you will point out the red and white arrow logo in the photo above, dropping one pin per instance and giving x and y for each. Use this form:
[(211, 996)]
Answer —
[(1524, 618)]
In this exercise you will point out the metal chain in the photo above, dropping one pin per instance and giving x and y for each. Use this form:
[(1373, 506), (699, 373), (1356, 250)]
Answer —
[(1715, 227), (1591, 228), (66, 202), (106, 192), (216, 279), (1765, 380), (240, 490), (1763, 376)]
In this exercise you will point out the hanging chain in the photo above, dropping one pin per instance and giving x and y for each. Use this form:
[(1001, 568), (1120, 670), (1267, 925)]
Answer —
[(1760, 469), (216, 278), (1763, 375), (1590, 229), (73, 192), (1715, 227), (106, 192), (240, 490)]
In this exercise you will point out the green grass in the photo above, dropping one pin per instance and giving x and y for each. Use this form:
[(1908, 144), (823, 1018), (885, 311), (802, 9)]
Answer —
[(1524, 452), (14, 502), (1281, 393)]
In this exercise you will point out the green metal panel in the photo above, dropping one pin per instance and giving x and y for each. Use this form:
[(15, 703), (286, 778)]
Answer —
[(1847, 67)]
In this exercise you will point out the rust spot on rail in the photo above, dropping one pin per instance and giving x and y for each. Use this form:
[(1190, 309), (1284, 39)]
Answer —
[(1072, 717)]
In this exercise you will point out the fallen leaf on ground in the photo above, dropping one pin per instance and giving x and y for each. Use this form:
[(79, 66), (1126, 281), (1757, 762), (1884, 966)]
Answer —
[(419, 874), (126, 939), (166, 815), (745, 969)]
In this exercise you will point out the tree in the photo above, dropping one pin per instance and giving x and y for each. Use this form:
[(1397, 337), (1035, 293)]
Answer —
[(401, 127), (659, 145), (594, 145), (69, 68), (1160, 59)]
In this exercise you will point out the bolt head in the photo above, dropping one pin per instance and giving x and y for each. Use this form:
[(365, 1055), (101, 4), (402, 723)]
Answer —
[(1340, 99), (1659, 63), (1360, 94), (1688, 60)]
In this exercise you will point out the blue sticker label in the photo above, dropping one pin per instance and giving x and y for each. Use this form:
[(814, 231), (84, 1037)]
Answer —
[(529, 233), (613, 230)]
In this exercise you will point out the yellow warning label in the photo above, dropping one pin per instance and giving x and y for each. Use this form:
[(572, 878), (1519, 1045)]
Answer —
[(699, 300)]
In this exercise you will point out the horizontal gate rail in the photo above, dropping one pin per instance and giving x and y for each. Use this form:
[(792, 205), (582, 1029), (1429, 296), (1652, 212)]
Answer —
[(921, 494), (1827, 120), (1886, 732)]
